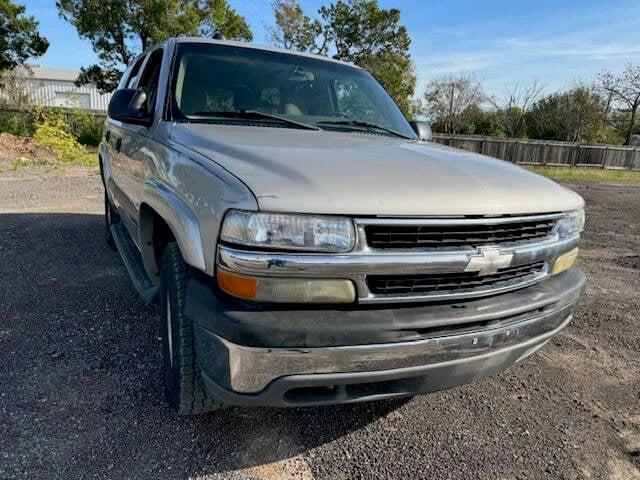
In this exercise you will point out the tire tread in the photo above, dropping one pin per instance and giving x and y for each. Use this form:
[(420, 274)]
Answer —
[(191, 396)]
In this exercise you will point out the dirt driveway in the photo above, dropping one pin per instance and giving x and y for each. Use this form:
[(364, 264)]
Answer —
[(80, 391)]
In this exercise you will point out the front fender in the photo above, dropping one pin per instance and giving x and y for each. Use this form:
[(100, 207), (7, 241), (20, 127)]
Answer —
[(180, 218)]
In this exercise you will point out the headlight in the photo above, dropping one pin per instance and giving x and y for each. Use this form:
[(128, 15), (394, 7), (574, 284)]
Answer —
[(288, 232), (571, 224)]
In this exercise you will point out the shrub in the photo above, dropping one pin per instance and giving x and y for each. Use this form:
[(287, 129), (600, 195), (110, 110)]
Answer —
[(16, 123), (52, 130), (80, 124), (608, 135), (84, 127)]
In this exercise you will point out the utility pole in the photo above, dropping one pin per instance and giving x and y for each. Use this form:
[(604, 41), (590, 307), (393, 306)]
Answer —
[(453, 91)]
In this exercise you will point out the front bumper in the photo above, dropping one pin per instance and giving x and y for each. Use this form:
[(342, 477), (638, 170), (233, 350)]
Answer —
[(247, 355)]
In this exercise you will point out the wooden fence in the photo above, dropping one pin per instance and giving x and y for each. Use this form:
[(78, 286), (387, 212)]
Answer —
[(552, 153)]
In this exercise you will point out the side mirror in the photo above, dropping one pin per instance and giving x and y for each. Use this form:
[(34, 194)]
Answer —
[(129, 105), (423, 130)]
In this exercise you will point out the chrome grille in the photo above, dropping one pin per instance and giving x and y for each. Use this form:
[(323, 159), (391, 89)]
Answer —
[(462, 234), (451, 282), (427, 273)]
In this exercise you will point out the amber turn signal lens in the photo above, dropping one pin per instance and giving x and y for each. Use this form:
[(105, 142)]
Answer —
[(564, 262), (286, 290), (242, 287)]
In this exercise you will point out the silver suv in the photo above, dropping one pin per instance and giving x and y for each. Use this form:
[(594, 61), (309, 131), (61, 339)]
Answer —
[(308, 245)]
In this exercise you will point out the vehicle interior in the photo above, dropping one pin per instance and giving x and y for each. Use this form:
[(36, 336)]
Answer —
[(212, 79)]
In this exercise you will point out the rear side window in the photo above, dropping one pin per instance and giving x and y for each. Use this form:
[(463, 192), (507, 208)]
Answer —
[(150, 77), (130, 76)]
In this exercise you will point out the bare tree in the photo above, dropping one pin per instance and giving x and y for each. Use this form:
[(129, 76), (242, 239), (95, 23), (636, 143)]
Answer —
[(14, 92), (448, 98), (623, 91), (513, 105)]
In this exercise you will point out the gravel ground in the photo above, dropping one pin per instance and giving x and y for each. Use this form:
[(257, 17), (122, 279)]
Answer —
[(81, 396)]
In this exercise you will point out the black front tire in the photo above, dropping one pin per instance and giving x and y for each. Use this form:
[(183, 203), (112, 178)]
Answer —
[(110, 217), (183, 385)]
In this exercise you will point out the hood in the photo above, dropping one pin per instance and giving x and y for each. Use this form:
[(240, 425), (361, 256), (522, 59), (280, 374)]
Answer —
[(306, 171)]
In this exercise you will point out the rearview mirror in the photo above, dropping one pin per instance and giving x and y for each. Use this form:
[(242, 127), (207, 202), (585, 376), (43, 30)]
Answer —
[(301, 75), (423, 130), (129, 105)]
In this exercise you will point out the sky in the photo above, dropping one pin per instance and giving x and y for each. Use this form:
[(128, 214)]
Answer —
[(557, 42)]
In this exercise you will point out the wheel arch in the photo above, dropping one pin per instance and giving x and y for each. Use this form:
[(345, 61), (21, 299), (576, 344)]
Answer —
[(164, 217), (103, 162), (101, 167)]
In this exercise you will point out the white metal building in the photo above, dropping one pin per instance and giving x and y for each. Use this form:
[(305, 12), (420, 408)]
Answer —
[(54, 87)]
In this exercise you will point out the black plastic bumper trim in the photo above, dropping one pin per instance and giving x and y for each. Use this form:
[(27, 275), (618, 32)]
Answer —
[(276, 326)]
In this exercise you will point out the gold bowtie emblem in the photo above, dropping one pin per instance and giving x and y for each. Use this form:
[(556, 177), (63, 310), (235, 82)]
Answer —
[(488, 260)]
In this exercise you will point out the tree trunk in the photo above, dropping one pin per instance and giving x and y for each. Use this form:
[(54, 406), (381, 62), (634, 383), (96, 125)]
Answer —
[(632, 123), (450, 119)]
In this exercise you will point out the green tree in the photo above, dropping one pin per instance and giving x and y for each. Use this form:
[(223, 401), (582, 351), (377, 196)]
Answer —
[(120, 29), (219, 17), (19, 36), (357, 31), (484, 122), (294, 30), (574, 116)]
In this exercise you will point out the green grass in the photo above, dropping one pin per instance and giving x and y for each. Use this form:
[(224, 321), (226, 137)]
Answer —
[(88, 158), (85, 158), (29, 162), (582, 174)]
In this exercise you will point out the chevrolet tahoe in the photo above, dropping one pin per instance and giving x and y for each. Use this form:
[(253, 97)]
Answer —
[(308, 245)]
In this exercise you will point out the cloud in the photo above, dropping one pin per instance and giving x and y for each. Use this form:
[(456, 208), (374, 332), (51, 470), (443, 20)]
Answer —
[(473, 62), (516, 50), (555, 59), (575, 47)]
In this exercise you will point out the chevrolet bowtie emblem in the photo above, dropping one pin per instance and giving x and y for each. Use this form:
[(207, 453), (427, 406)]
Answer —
[(488, 260)]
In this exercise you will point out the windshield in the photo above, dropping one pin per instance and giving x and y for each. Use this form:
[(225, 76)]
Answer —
[(213, 81)]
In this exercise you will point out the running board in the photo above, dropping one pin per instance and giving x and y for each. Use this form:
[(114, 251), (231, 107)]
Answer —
[(133, 262)]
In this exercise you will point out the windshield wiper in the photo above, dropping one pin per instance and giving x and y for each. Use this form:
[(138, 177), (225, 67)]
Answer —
[(249, 115), (359, 123)]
